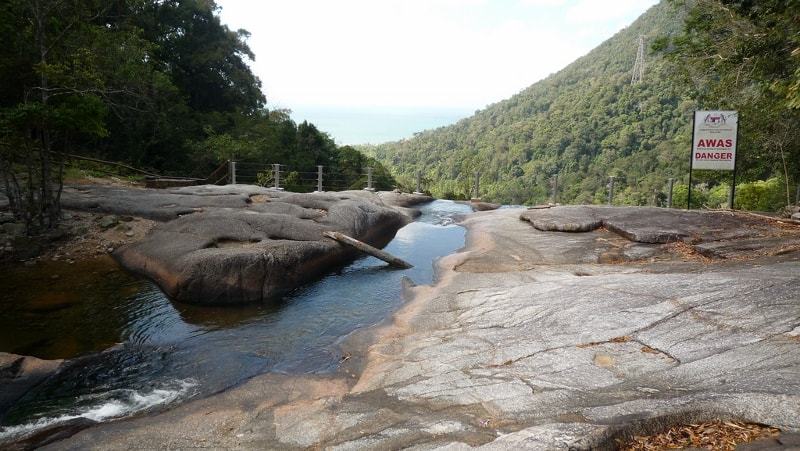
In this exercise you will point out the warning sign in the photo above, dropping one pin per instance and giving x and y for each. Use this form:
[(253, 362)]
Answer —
[(714, 145)]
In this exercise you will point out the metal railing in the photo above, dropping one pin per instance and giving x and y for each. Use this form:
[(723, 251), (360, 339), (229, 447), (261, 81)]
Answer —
[(319, 178)]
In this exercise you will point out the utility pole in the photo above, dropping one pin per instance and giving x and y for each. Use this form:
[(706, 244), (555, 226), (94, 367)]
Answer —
[(638, 66), (319, 178), (477, 185)]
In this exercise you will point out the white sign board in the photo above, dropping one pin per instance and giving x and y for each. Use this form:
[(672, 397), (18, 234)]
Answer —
[(714, 145)]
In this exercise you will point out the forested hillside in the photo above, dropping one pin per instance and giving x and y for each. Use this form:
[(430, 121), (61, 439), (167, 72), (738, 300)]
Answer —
[(584, 123), (159, 84)]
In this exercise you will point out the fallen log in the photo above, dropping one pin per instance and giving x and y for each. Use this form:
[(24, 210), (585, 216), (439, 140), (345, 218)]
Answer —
[(367, 249)]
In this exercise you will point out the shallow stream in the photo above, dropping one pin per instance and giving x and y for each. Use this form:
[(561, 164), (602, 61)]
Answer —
[(133, 350)]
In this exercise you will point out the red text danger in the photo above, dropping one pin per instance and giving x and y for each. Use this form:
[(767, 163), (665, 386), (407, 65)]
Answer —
[(713, 155)]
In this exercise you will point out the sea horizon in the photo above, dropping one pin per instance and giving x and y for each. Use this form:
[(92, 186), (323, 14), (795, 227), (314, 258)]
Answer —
[(376, 125)]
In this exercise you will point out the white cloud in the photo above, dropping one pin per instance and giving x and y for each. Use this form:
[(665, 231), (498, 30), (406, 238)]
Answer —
[(446, 53), (540, 3)]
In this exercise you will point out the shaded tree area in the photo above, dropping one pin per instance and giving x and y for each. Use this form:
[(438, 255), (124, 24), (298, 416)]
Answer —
[(745, 55), (158, 84), (588, 121)]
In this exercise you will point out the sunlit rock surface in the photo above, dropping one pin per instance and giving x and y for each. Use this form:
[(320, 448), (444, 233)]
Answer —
[(538, 340)]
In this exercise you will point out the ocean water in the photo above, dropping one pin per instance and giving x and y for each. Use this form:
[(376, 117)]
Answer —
[(376, 125)]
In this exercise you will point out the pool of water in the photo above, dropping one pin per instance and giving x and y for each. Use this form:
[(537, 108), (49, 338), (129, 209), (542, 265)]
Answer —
[(134, 350)]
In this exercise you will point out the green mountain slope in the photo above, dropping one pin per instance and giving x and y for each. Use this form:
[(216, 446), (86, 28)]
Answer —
[(583, 123)]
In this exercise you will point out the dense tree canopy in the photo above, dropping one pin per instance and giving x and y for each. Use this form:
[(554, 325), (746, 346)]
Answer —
[(160, 84), (588, 121), (746, 55)]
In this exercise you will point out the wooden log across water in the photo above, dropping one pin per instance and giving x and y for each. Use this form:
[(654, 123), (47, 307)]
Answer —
[(367, 249)]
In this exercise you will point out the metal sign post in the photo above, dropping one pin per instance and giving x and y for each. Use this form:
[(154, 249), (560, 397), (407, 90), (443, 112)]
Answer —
[(733, 181), (691, 164)]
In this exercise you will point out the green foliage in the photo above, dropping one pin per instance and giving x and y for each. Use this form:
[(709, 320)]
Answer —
[(761, 195), (718, 196), (583, 123), (294, 183), (265, 178), (680, 197), (745, 56), (159, 84), (588, 121), (64, 72), (223, 147)]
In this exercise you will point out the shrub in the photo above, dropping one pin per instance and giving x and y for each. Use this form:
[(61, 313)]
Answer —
[(680, 196), (761, 195), (718, 196)]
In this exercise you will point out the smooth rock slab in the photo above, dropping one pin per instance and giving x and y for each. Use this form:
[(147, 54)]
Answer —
[(648, 224), (237, 255), (564, 219), (159, 205), (536, 346)]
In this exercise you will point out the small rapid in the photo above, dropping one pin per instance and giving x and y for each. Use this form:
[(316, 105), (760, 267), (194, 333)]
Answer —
[(115, 404)]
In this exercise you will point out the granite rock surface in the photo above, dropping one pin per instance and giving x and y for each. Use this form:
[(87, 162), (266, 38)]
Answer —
[(532, 339)]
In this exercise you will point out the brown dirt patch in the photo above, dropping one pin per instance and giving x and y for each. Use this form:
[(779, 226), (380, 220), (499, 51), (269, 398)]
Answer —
[(622, 339), (85, 238), (715, 435), (260, 198), (686, 252)]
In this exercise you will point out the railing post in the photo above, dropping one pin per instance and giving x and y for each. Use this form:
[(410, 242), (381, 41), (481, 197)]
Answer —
[(319, 178), (671, 183), (555, 189), (477, 185), (610, 189), (419, 183), (276, 174), (232, 172), (369, 180)]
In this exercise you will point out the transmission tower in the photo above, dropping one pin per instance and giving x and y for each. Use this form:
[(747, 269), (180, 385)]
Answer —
[(638, 66)]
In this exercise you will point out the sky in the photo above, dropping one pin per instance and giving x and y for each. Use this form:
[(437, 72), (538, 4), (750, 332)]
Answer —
[(377, 70)]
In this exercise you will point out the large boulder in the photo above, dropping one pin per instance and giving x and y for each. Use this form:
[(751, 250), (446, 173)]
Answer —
[(237, 255)]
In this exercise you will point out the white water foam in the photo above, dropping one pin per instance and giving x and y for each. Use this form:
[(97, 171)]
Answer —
[(125, 402)]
